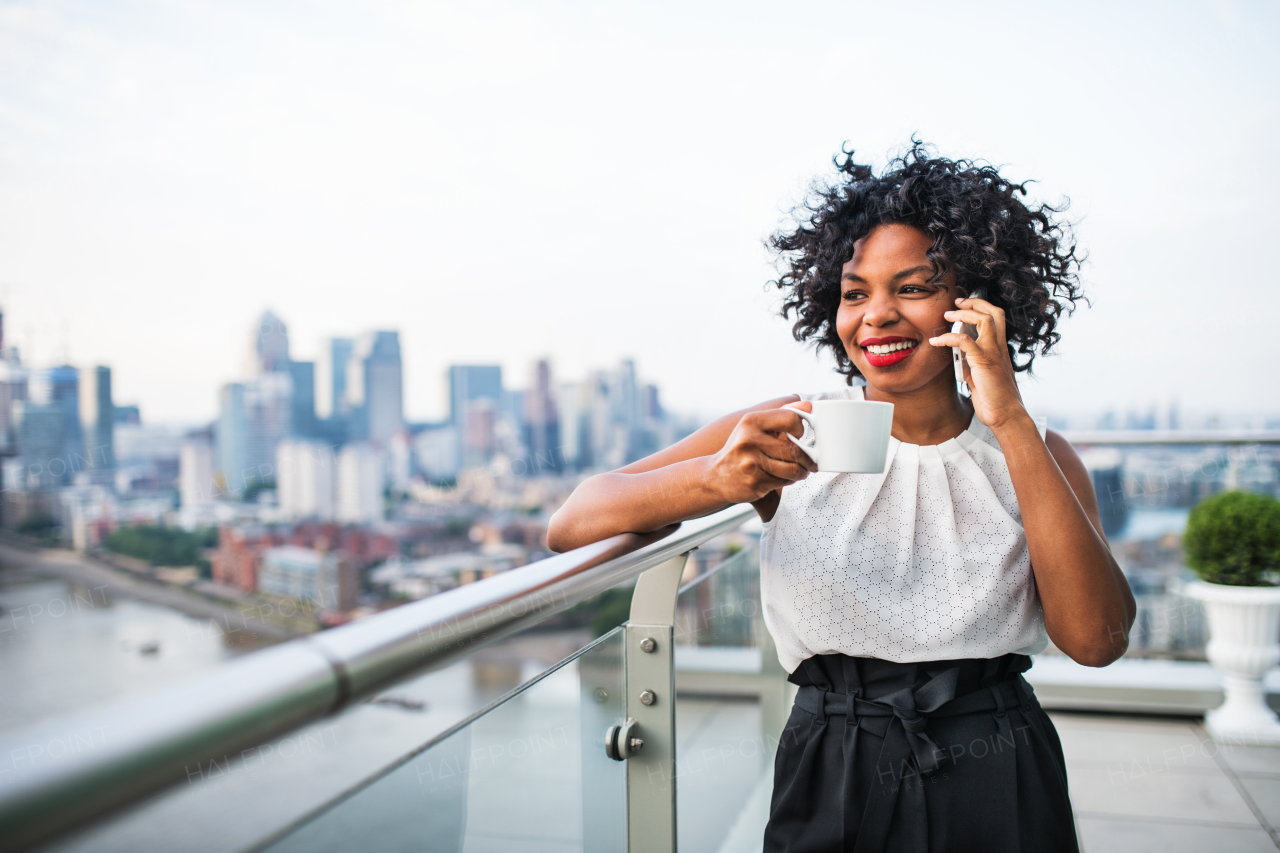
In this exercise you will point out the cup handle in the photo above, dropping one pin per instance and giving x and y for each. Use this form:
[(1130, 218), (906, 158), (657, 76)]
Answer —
[(811, 452)]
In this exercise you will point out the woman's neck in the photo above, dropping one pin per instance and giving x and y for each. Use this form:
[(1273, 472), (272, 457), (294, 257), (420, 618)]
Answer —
[(929, 415)]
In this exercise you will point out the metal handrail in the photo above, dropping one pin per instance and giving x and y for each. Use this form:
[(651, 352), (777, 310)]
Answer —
[(76, 768)]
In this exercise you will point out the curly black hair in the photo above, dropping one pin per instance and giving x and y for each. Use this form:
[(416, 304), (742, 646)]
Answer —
[(1024, 258)]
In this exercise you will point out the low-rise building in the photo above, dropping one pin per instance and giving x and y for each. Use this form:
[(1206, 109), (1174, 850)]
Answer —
[(236, 561), (306, 574)]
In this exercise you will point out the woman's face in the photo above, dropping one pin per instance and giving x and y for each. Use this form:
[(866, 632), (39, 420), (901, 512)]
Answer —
[(889, 310)]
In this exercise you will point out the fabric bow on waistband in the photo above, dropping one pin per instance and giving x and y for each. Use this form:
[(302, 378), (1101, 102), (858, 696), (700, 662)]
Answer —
[(907, 705), (911, 707)]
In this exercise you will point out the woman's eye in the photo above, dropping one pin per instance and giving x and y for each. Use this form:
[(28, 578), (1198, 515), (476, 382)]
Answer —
[(851, 295)]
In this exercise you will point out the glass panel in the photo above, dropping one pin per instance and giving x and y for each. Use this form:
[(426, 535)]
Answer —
[(529, 773), (729, 690)]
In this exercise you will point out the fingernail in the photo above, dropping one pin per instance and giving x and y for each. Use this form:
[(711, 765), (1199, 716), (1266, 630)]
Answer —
[(934, 340)]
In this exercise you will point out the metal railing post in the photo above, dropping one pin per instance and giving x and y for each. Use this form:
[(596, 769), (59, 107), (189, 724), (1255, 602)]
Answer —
[(651, 702)]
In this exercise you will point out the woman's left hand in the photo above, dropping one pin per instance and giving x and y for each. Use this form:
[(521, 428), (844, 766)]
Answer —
[(988, 370)]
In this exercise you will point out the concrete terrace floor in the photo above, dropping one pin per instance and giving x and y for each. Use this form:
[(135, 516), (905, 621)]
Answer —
[(1150, 784)]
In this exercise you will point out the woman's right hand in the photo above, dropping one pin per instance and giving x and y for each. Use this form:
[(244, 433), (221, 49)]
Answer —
[(758, 458)]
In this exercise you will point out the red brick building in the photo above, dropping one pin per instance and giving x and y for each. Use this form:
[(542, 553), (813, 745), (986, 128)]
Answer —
[(238, 558)]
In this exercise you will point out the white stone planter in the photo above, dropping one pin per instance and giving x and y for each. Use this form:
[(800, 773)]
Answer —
[(1244, 642)]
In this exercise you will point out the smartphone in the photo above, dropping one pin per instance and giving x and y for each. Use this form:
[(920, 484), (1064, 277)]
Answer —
[(957, 354)]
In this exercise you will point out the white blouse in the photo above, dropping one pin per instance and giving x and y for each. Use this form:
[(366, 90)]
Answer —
[(927, 561)]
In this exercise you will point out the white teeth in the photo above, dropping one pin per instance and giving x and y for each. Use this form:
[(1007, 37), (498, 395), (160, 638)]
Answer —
[(885, 349)]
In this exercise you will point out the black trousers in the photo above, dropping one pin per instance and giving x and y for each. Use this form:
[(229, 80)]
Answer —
[(920, 758)]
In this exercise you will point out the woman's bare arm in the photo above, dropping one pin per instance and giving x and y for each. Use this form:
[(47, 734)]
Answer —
[(741, 457), (1088, 606)]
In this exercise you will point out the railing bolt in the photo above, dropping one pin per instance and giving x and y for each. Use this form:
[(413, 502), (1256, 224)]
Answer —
[(637, 744), (600, 694), (648, 697), (648, 644)]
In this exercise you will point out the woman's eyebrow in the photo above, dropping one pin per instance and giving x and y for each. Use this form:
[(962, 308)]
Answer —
[(922, 268)]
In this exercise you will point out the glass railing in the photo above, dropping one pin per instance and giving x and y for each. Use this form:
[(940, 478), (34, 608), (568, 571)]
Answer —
[(529, 772), (732, 699), (659, 734), (335, 742), (1147, 482)]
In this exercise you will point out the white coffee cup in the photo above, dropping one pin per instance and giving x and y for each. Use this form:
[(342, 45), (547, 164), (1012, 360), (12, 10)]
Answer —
[(849, 436)]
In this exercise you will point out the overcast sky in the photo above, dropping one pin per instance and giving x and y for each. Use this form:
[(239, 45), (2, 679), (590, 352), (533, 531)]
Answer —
[(591, 181)]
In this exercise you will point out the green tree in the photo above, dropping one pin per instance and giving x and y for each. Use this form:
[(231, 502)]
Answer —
[(160, 546)]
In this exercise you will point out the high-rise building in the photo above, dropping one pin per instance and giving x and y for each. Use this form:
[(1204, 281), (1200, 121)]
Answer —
[(39, 434), (97, 421), (436, 452), (375, 390), (305, 479), (333, 412), (331, 378), (269, 346), (49, 433), (611, 419), (233, 438), (542, 424), (256, 414), (400, 460), (303, 415), (268, 402), (479, 433), (606, 438), (13, 389), (360, 484), (196, 484), (469, 382), (570, 408), (475, 397)]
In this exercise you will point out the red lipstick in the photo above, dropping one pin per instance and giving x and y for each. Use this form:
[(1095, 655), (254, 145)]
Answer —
[(890, 358)]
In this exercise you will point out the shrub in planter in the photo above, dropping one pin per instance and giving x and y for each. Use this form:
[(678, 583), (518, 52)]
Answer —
[(1233, 539)]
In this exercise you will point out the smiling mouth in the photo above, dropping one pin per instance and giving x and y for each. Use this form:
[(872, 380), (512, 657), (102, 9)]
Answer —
[(883, 352)]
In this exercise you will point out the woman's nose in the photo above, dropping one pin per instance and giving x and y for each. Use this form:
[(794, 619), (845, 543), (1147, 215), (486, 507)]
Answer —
[(881, 311)]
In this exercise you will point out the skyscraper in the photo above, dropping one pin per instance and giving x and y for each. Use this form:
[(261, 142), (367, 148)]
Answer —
[(49, 433), (13, 389), (542, 423), (469, 382), (196, 475), (333, 412), (331, 378), (257, 414), (475, 395), (268, 400), (269, 346), (233, 437), (375, 387), (97, 421), (303, 419)]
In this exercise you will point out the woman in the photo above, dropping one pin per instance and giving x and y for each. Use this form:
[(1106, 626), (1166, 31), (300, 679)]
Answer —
[(905, 604)]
